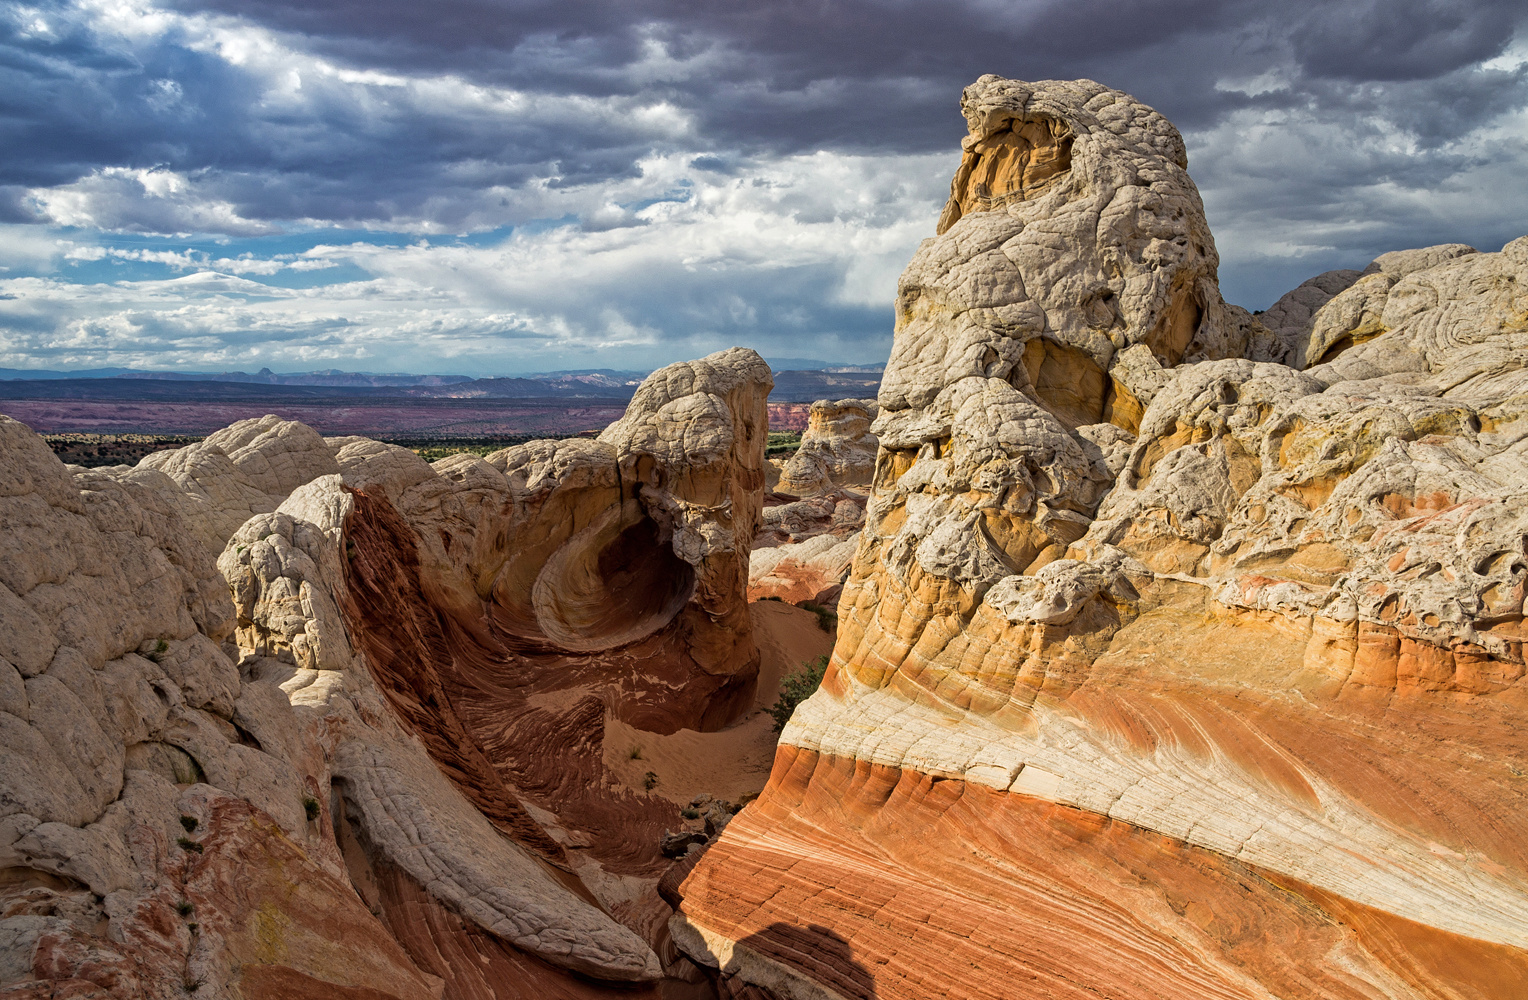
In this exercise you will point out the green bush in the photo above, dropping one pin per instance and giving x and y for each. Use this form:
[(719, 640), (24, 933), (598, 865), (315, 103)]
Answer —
[(796, 688), (827, 618)]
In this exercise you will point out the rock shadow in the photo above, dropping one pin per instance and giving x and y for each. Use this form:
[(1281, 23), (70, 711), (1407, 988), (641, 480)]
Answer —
[(816, 952)]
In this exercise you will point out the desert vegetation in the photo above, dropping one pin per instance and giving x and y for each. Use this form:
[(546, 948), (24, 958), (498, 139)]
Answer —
[(796, 688), (782, 443), (96, 450)]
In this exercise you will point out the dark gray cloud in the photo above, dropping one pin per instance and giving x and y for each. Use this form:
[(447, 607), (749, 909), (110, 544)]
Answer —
[(860, 75), (874, 74), (1401, 39)]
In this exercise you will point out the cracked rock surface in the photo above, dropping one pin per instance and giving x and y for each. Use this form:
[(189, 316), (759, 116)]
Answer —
[(837, 449)]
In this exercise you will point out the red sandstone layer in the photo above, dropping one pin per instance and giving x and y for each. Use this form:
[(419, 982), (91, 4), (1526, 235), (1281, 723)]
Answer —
[(877, 882)]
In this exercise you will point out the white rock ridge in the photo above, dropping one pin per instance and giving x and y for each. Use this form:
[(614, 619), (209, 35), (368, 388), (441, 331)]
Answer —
[(202, 779)]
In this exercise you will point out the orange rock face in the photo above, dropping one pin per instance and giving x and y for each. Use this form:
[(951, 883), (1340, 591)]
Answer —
[(1168, 665), (878, 882)]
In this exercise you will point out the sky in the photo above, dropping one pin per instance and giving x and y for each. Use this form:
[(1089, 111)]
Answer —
[(491, 187)]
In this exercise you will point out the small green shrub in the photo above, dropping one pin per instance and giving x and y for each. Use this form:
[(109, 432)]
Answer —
[(188, 844), (310, 806), (635, 753), (796, 688), (189, 822), (157, 653), (827, 618), (690, 812), (650, 781), (184, 908)]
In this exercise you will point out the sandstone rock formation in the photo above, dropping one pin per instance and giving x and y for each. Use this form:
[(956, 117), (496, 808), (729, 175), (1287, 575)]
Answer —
[(289, 717), (837, 449), (153, 833), (804, 549), (241, 470), (1182, 651), (1181, 654)]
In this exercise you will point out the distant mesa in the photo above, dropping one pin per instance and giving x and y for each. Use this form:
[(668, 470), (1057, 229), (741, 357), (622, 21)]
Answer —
[(360, 403)]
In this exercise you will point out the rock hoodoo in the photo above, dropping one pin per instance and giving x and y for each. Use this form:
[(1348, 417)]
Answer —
[(837, 449), (813, 516), (1172, 631), (377, 770)]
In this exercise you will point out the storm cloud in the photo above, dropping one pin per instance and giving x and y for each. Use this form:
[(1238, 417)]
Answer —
[(492, 187)]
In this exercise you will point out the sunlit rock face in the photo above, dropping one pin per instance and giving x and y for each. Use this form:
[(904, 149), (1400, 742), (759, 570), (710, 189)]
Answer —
[(1181, 653), (1073, 233), (837, 449), (351, 745)]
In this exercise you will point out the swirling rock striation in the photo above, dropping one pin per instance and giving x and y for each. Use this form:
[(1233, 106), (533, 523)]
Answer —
[(804, 549), (1173, 632)]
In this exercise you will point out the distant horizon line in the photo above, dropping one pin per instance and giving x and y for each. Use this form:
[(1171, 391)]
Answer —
[(112, 371)]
